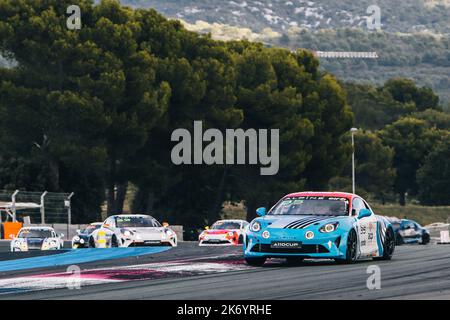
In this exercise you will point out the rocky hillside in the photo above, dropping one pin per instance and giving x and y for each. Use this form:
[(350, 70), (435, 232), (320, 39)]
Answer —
[(396, 15)]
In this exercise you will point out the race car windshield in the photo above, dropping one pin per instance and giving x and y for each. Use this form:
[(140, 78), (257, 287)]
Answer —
[(90, 229), (320, 206), (225, 225), (136, 222), (35, 234)]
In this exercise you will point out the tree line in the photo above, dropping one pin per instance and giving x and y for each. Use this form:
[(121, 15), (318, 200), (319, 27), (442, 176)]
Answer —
[(403, 146)]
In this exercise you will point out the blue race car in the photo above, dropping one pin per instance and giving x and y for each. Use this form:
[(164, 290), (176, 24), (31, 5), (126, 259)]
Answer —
[(408, 232), (335, 225)]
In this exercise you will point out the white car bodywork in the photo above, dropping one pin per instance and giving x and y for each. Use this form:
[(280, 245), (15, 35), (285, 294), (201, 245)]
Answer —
[(37, 238), (128, 230), (220, 235)]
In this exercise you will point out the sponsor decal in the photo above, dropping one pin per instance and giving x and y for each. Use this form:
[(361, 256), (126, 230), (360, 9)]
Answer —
[(363, 229), (285, 244)]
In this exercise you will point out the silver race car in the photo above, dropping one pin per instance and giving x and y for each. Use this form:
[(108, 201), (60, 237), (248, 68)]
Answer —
[(37, 238), (132, 230)]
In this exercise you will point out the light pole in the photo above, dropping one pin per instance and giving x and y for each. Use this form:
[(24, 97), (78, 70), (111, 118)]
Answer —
[(352, 131)]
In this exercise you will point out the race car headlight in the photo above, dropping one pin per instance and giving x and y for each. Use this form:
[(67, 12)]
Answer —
[(76, 238), (52, 243), (255, 226), (81, 241), (18, 243), (49, 244), (329, 227), (309, 235), (126, 233), (230, 233)]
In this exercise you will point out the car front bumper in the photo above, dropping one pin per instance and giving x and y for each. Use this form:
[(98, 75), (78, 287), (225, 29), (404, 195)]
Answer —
[(330, 246), (147, 242)]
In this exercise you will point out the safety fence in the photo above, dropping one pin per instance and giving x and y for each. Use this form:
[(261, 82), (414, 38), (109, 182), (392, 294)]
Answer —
[(35, 207)]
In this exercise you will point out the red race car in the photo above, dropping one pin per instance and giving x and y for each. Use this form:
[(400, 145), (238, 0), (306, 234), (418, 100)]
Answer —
[(223, 232)]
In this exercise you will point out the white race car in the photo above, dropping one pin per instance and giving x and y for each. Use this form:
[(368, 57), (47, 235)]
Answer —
[(37, 238), (223, 232), (132, 230)]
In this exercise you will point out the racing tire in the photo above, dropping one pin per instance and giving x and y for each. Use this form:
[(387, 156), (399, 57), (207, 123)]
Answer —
[(255, 262), (114, 242), (399, 240), (425, 239), (351, 253), (91, 242), (388, 246), (294, 261)]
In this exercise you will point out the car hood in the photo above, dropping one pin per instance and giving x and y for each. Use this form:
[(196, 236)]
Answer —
[(297, 222)]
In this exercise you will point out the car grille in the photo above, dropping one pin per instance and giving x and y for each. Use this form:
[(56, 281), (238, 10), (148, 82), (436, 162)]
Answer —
[(34, 244), (306, 248)]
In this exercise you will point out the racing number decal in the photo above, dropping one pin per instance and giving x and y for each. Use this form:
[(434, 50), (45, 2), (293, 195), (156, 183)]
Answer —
[(367, 229), (368, 236)]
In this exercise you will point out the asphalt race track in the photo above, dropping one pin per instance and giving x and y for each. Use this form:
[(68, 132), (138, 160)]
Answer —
[(192, 272)]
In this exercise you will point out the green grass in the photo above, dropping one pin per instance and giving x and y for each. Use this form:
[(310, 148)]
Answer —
[(422, 214)]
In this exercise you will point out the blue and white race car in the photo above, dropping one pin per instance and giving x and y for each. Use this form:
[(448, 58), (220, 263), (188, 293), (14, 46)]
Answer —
[(335, 225)]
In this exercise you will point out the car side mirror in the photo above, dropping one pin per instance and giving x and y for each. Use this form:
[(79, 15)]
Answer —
[(12, 237), (261, 211), (206, 228), (363, 213), (106, 225), (165, 224)]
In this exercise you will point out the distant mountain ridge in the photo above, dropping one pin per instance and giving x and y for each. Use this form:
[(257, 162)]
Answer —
[(414, 41), (406, 16)]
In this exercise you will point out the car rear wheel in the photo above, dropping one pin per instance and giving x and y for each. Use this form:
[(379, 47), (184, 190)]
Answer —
[(425, 239), (388, 246), (399, 240), (352, 246), (255, 262)]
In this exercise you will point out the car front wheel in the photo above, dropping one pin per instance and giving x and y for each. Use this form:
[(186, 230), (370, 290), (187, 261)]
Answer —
[(114, 242), (91, 242), (352, 248)]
